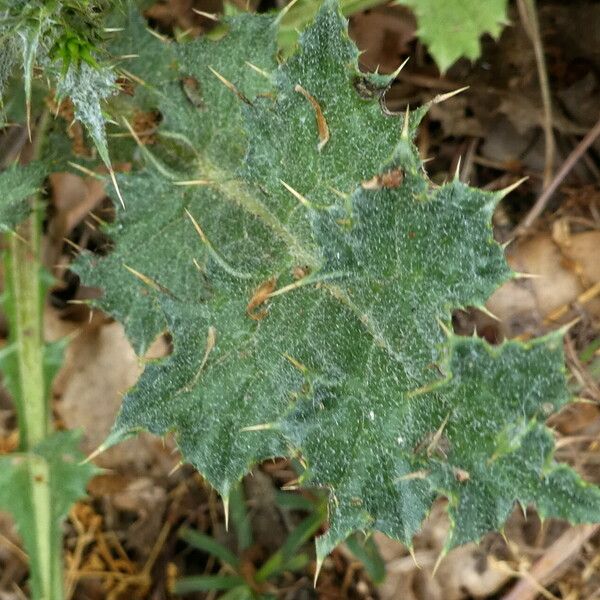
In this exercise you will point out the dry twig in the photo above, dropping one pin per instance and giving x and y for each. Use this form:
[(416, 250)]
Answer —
[(557, 557), (528, 12), (579, 150)]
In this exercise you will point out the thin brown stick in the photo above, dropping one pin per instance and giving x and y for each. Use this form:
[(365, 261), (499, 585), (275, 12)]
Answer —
[(557, 557), (571, 161), (529, 16), (579, 369)]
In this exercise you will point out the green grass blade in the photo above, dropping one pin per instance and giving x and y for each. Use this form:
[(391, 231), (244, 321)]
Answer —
[(206, 583), (210, 546), (240, 517), (365, 549), (280, 560)]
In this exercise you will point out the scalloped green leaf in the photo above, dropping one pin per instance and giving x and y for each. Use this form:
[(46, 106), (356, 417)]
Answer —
[(44, 481), (452, 28), (307, 270)]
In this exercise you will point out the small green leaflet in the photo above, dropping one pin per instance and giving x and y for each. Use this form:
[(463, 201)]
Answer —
[(60, 479), (87, 87), (307, 270), (452, 28), (18, 184)]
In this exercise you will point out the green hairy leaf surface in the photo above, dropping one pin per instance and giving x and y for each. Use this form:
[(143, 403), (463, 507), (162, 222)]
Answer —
[(452, 28), (18, 184), (307, 270), (87, 87), (60, 37), (45, 482)]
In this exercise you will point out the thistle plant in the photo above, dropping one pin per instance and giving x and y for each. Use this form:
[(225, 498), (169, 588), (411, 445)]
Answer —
[(280, 225), (39, 481)]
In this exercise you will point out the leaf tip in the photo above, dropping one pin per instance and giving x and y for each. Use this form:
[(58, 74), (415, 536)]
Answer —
[(486, 311), (319, 565), (284, 11), (509, 188), (226, 511), (260, 427), (457, 170), (229, 85), (439, 560), (397, 71)]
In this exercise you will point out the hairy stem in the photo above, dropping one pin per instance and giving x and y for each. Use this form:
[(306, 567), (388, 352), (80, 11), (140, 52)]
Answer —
[(24, 308), (23, 286)]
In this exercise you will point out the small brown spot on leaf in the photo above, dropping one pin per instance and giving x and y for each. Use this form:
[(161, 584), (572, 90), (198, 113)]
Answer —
[(259, 297), (461, 475), (192, 91), (300, 271), (367, 89), (144, 124), (389, 180)]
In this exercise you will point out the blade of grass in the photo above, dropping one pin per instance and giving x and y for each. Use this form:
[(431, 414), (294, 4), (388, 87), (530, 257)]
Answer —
[(243, 592), (210, 546), (240, 518), (207, 583), (278, 561), (365, 549), (294, 501)]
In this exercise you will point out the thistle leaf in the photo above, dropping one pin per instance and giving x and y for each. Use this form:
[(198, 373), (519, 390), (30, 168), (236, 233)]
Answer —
[(88, 87), (8, 60), (451, 29), (307, 270), (17, 185), (211, 125)]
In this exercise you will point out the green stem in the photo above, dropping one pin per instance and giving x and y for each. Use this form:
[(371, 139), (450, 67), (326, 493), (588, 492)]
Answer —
[(24, 289), (24, 308)]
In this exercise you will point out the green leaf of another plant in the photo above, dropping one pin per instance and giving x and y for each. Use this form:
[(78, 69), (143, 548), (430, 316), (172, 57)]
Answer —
[(452, 28), (280, 560), (240, 518)]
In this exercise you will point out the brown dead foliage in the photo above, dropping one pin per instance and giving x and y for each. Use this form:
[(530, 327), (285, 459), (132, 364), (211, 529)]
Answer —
[(389, 180), (260, 296)]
